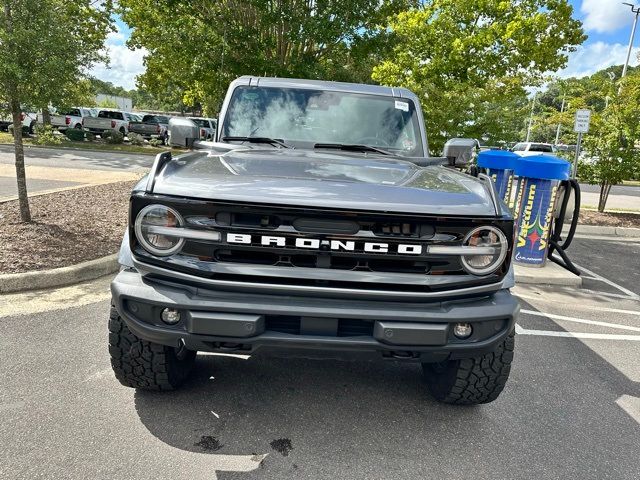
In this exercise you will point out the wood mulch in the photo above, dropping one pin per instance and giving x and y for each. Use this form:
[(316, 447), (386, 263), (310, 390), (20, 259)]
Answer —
[(68, 227)]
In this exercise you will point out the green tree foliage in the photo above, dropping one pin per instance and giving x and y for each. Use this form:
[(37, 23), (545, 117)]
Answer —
[(196, 48), (451, 52), (46, 47), (611, 148)]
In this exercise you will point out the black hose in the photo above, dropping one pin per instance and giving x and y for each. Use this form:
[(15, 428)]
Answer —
[(555, 237)]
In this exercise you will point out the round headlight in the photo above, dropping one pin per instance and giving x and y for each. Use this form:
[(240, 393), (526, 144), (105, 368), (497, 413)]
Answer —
[(485, 263), (151, 225)]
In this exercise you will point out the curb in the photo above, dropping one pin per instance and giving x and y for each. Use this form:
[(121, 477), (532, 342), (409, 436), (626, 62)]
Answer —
[(550, 274), (605, 230), (80, 149), (59, 277)]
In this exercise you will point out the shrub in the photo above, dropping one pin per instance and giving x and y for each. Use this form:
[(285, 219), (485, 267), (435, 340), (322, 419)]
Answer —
[(155, 142), (136, 139), (45, 136), (114, 138), (90, 137), (74, 134)]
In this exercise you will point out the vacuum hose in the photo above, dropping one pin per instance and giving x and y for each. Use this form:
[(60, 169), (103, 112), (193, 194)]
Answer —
[(555, 238)]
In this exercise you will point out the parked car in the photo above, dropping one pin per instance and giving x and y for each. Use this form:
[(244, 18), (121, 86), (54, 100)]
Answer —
[(344, 238), (67, 119), (151, 126), (28, 119), (527, 149), (207, 127), (107, 119)]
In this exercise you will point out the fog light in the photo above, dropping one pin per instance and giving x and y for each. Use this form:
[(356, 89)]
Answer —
[(462, 330), (170, 316)]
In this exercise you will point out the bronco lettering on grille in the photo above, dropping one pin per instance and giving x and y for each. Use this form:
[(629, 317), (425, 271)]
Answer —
[(318, 244)]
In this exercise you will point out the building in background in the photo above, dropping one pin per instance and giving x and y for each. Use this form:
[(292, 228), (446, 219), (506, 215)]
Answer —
[(121, 103)]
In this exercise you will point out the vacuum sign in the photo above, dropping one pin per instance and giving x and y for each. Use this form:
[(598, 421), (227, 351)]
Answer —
[(583, 118)]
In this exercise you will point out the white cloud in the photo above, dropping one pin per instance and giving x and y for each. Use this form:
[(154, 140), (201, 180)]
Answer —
[(124, 64), (606, 15), (590, 58)]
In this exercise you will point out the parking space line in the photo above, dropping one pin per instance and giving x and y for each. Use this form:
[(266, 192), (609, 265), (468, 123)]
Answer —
[(579, 335), (553, 316), (629, 293), (631, 405)]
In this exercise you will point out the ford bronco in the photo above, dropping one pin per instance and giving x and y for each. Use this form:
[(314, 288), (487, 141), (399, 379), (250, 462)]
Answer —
[(316, 222)]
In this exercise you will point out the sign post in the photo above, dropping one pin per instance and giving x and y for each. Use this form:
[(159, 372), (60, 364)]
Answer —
[(580, 126)]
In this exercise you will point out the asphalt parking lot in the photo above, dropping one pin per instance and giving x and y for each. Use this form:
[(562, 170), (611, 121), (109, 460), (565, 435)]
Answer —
[(570, 410)]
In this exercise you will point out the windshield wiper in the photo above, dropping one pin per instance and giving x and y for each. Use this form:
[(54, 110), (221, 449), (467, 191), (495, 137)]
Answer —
[(352, 147), (271, 141)]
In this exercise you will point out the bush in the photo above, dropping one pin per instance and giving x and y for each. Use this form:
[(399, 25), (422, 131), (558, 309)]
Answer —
[(74, 134), (106, 134), (45, 136), (136, 139), (25, 130), (90, 137), (155, 142), (113, 138)]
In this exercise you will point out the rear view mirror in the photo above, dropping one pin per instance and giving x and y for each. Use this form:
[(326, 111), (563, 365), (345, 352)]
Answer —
[(459, 151)]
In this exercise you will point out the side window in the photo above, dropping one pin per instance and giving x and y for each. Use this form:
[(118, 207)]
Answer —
[(537, 147), (519, 147)]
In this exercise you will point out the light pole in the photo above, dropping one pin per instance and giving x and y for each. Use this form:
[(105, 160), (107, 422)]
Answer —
[(558, 130), (635, 10), (533, 104)]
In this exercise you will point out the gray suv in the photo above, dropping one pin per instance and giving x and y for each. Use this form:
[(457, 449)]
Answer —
[(316, 221)]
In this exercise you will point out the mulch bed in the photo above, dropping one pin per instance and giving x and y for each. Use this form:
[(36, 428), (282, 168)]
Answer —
[(68, 227), (609, 219)]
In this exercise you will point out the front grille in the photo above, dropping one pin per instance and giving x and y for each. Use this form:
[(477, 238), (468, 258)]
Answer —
[(343, 236)]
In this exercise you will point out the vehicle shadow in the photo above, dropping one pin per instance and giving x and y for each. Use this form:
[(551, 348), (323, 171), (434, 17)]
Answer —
[(334, 416)]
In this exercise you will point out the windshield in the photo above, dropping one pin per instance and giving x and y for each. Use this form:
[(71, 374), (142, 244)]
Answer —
[(201, 122), (305, 117)]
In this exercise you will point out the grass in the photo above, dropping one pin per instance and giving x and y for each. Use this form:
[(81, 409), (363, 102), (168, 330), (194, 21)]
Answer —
[(6, 138), (593, 208)]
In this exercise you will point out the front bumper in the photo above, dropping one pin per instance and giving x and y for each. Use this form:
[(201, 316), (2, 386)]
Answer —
[(226, 321)]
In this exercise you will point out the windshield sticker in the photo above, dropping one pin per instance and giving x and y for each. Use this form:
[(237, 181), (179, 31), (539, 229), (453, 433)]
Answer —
[(404, 106)]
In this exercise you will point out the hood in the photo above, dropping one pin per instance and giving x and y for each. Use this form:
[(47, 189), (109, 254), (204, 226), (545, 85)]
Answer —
[(324, 179)]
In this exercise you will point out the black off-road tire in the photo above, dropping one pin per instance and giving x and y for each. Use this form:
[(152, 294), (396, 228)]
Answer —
[(471, 381), (145, 365)]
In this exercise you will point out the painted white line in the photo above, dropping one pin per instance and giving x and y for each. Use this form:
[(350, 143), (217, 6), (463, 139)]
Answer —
[(631, 405), (629, 293), (553, 316), (586, 336), (606, 294)]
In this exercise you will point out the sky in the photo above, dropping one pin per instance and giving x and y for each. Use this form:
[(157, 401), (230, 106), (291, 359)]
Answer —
[(606, 22)]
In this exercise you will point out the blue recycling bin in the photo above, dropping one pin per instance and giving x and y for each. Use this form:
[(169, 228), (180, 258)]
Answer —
[(499, 165), (539, 179)]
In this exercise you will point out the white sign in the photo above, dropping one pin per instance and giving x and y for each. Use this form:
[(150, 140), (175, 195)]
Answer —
[(581, 125)]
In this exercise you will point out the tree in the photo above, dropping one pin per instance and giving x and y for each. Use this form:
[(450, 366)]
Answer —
[(450, 50), (196, 48), (47, 46), (611, 146)]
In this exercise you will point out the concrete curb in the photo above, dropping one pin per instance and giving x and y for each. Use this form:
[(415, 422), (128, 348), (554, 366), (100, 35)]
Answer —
[(550, 274), (605, 230), (80, 149), (59, 277)]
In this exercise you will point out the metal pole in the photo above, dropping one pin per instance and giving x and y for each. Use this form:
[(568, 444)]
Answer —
[(533, 104), (574, 170), (633, 33), (558, 130)]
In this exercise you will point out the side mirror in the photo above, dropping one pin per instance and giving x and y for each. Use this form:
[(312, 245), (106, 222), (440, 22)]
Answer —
[(459, 151)]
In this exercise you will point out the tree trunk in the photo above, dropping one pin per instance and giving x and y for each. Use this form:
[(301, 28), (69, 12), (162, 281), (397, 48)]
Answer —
[(46, 116), (16, 113), (25, 213), (605, 188)]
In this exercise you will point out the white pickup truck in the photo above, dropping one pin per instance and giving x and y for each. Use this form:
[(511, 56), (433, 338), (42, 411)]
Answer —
[(28, 119), (107, 119), (71, 118)]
